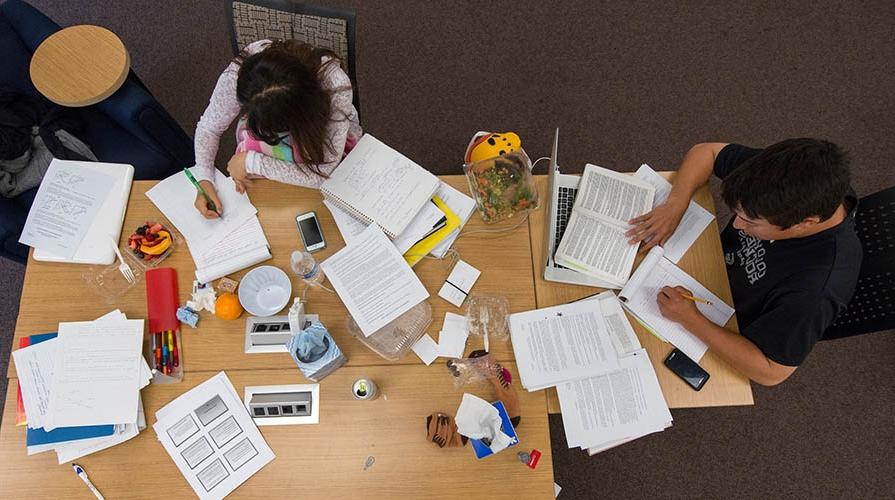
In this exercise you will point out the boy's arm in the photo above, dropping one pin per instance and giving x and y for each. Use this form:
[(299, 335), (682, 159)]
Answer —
[(736, 350), (656, 226)]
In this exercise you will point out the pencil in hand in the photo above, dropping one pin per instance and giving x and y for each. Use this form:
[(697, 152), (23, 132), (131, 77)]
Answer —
[(696, 299)]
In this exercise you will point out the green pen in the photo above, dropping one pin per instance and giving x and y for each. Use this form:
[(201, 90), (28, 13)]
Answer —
[(208, 203)]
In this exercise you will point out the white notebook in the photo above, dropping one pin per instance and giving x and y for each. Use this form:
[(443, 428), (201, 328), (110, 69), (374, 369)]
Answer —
[(639, 298), (96, 247), (375, 183)]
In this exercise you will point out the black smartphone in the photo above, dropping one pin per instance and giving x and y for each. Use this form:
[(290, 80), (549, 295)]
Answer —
[(687, 369)]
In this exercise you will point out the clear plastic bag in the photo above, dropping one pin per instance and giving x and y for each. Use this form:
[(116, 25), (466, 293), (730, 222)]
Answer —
[(502, 186), (470, 370), (394, 340)]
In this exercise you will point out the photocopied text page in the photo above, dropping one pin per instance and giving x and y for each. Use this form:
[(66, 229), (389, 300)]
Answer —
[(373, 280), (561, 343)]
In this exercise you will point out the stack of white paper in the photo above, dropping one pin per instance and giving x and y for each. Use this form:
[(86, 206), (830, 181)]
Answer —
[(561, 343), (607, 388), (616, 407), (211, 438), (218, 246), (89, 375)]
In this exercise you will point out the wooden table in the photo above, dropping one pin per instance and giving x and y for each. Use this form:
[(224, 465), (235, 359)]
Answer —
[(312, 461), (705, 262), (80, 65), (504, 259), (317, 460)]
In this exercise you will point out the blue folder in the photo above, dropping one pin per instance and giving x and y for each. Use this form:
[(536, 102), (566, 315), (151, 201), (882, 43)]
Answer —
[(36, 437)]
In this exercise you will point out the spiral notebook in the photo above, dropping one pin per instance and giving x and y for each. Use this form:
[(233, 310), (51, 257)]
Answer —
[(375, 183)]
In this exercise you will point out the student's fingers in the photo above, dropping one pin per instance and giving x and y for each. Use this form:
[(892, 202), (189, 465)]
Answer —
[(202, 207), (683, 291), (213, 194), (641, 218)]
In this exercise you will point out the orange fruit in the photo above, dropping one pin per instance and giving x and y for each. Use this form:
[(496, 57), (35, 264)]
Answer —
[(227, 306)]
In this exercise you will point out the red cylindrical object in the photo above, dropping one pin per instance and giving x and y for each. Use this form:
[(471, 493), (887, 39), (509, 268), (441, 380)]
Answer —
[(535, 456)]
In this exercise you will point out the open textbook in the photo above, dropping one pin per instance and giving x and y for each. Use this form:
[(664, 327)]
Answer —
[(692, 224), (594, 242), (639, 298)]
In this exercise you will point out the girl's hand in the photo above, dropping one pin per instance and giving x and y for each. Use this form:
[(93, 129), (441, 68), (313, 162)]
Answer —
[(237, 169), (657, 225), (202, 204)]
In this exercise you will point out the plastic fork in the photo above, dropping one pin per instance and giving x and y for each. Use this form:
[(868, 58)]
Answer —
[(124, 268)]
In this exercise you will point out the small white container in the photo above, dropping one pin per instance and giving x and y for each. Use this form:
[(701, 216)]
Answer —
[(265, 291)]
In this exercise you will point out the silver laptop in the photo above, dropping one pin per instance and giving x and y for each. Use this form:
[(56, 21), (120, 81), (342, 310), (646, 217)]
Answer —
[(561, 193)]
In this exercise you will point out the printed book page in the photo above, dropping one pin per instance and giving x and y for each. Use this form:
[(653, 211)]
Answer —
[(594, 242)]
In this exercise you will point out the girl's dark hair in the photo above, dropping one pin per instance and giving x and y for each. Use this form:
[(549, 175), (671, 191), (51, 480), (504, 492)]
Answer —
[(790, 181), (279, 91)]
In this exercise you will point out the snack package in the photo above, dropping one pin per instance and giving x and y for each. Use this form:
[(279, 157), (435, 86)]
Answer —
[(502, 186)]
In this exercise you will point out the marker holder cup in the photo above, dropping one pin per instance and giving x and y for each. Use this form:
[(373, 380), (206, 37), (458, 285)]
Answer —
[(162, 344)]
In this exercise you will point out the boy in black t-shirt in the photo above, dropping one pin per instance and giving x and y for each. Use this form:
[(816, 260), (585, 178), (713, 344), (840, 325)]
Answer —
[(791, 251)]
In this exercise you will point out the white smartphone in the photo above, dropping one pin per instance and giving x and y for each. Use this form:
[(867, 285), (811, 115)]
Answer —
[(309, 230)]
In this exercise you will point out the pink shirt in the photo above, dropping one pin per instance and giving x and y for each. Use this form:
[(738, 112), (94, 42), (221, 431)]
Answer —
[(223, 107)]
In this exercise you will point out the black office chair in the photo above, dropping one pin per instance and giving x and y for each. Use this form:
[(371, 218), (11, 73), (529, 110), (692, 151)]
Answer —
[(334, 29), (872, 308)]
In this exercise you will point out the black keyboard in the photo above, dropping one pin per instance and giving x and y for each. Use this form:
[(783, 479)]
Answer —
[(564, 205)]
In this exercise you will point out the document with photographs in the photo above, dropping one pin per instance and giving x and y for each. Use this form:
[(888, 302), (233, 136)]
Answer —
[(212, 439)]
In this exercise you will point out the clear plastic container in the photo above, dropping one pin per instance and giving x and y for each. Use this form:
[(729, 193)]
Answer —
[(502, 186), (107, 281), (487, 314), (394, 340)]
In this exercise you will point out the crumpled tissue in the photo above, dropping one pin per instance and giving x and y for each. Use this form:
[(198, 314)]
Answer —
[(478, 419)]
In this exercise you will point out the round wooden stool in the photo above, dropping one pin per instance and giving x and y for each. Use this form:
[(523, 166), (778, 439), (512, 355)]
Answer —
[(80, 65)]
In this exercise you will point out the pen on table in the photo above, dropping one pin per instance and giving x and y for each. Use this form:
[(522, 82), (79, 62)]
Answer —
[(164, 354), (174, 349), (208, 203), (83, 475), (152, 347), (170, 335), (158, 351), (696, 299)]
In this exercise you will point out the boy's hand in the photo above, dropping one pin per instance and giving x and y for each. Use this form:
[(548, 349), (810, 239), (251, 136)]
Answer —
[(675, 307), (657, 225), (202, 205)]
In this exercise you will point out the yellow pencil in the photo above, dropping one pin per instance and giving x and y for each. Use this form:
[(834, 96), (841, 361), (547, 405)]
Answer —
[(696, 299)]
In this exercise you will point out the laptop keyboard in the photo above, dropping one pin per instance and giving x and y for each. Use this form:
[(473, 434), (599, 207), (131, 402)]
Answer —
[(563, 212)]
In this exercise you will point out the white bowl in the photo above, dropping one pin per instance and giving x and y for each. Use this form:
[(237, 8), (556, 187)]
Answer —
[(264, 291)]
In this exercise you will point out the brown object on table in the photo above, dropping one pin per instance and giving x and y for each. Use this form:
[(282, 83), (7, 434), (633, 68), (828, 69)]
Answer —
[(705, 262), (80, 65)]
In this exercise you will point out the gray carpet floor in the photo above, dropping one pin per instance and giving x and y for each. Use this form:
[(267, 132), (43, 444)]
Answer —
[(627, 82)]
